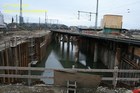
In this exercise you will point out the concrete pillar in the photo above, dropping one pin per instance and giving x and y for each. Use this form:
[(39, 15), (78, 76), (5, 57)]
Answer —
[(96, 52), (71, 48), (88, 45), (68, 42), (115, 76), (68, 47), (117, 57), (116, 64), (57, 38), (72, 44), (63, 47), (76, 53)]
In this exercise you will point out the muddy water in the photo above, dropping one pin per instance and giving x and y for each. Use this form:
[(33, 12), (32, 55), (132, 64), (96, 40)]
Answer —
[(60, 56)]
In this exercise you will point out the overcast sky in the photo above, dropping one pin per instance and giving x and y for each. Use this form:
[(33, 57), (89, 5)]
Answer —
[(66, 11)]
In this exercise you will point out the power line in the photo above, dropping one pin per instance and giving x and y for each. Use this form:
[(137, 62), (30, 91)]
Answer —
[(90, 14), (124, 5)]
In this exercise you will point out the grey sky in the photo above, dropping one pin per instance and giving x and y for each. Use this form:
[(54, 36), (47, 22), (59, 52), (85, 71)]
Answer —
[(66, 11)]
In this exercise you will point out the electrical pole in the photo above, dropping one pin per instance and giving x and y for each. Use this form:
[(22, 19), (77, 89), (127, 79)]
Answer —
[(45, 20), (57, 21), (96, 20), (78, 15), (39, 23), (16, 19), (27, 20), (20, 18), (45, 17), (21, 8)]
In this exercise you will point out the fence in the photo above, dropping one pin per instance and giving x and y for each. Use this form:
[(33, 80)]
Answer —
[(114, 79)]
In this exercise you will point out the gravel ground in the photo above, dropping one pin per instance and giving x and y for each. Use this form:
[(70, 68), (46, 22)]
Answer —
[(26, 89), (47, 89), (107, 90)]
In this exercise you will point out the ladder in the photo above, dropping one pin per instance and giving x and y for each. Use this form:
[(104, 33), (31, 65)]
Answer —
[(71, 86)]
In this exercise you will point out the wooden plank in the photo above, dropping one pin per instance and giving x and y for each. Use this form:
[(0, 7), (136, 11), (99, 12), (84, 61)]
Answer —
[(120, 79), (38, 77), (23, 76), (68, 70), (128, 79), (22, 68), (128, 71)]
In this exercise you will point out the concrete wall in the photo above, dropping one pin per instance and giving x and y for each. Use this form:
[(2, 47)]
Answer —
[(14, 56), (83, 80)]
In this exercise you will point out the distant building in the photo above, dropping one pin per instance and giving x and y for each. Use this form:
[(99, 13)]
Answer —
[(73, 28), (112, 23)]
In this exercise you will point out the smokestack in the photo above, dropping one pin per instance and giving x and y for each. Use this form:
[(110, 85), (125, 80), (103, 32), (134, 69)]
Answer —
[(20, 17)]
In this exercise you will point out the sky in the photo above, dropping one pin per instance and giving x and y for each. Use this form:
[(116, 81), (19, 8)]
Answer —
[(66, 11)]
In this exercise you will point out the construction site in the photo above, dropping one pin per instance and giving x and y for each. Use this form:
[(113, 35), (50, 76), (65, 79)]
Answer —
[(22, 49), (60, 52)]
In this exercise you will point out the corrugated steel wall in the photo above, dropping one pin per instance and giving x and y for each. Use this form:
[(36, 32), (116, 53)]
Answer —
[(19, 56)]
